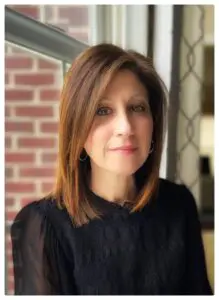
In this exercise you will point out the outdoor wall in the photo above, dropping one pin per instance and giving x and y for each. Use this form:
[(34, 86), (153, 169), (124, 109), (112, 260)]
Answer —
[(32, 88)]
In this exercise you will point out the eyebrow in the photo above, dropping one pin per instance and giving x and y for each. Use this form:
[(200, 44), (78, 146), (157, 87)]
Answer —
[(134, 96)]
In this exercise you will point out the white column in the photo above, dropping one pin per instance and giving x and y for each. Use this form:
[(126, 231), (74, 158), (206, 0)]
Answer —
[(137, 28), (105, 23), (163, 57), (123, 25)]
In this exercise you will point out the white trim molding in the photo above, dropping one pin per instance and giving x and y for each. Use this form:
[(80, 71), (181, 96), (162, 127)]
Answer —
[(123, 25), (162, 56)]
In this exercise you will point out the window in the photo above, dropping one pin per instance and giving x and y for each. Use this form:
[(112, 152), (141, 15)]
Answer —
[(72, 19)]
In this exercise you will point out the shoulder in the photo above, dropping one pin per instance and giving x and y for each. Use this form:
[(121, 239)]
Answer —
[(36, 216), (41, 223), (35, 208), (169, 187), (169, 190), (175, 197)]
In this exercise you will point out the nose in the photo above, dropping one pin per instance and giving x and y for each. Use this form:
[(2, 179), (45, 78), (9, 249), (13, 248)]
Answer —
[(123, 125)]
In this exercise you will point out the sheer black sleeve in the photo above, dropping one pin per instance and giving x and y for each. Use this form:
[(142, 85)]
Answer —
[(33, 246)]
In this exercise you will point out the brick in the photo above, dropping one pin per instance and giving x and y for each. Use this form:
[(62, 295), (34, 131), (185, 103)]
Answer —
[(10, 215), (9, 201), (49, 157), (26, 201), (6, 78), (10, 271), (18, 187), (44, 64), (31, 11), (9, 251), (77, 15), (37, 172), (8, 239), (11, 286), (81, 36), (17, 157), (11, 126), (8, 243), (34, 111), (18, 95), (9, 256), (34, 79), (49, 127), (7, 111), (16, 62), (36, 142), (9, 172), (47, 187), (8, 142), (50, 95)]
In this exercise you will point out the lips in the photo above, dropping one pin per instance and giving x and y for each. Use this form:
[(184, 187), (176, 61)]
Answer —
[(124, 148)]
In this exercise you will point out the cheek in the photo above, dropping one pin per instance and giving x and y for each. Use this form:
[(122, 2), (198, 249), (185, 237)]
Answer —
[(145, 128), (97, 139), (150, 126)]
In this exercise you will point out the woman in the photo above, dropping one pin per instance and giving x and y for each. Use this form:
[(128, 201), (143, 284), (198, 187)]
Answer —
[(110, 226)]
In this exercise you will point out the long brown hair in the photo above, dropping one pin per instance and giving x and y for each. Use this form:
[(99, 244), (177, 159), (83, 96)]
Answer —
[(85, 83)]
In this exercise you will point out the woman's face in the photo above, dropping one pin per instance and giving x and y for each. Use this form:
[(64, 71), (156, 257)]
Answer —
[(120, 137)]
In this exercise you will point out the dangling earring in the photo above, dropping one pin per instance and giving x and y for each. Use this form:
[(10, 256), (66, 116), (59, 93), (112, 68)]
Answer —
[(152, 147), (83, 158)]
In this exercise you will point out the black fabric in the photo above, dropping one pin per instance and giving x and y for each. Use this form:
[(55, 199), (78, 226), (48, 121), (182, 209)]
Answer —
[(158, 251)]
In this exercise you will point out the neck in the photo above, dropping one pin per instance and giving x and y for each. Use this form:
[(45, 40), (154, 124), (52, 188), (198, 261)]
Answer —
[(112, 187)]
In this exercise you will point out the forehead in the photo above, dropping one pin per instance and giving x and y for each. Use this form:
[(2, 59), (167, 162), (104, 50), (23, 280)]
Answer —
[(126, 82)]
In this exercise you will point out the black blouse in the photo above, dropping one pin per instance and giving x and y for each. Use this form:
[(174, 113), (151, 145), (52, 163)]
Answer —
[(158, 251)]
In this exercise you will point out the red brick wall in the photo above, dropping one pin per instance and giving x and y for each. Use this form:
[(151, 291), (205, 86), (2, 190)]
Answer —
[(32, 89)]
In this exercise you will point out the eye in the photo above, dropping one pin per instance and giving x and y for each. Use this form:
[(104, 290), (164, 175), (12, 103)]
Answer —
[(103, 111), (138, 108)]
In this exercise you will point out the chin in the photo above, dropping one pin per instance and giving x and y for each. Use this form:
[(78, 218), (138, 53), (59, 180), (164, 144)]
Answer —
[(124, 170)]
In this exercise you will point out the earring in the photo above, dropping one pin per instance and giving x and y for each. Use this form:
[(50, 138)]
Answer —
[(152, 147), (83, 158)]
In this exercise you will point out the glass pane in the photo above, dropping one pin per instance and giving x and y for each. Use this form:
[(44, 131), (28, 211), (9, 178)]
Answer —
[(72, 19), (32, 11), (32, 88)]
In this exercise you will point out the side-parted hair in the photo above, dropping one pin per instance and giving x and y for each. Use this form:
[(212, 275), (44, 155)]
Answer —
[(84, 85)]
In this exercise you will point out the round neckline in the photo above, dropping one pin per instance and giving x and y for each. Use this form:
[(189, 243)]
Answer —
[(106, 205)]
